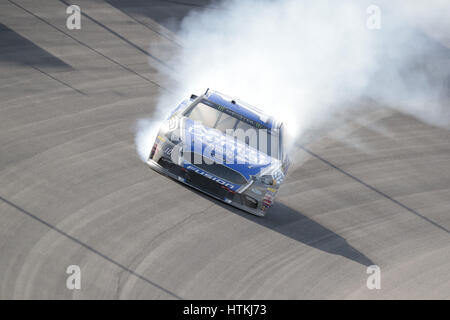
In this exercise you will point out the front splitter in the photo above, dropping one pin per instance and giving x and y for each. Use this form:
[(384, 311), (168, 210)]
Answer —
[(155, 166)]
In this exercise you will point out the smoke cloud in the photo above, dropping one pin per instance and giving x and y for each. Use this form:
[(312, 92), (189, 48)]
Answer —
[(306, 61)]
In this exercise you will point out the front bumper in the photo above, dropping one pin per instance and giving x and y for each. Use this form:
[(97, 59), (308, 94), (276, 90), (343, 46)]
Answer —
[(196, 181)]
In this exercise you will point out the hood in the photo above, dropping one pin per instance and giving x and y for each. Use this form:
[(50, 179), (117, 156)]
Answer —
[(216, 146)]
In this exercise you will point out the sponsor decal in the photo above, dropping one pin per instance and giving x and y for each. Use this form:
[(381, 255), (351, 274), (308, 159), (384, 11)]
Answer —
[(268, 197), (256, 191), (268, 200), (213, 178), (168, 151), (234, 114), (279, 176)]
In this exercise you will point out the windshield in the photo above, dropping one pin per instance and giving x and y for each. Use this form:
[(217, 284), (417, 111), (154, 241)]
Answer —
[(245, 130)]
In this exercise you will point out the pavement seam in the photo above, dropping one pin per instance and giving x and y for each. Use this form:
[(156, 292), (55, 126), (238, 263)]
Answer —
[(88, 247), (374, 189), (90, 48)]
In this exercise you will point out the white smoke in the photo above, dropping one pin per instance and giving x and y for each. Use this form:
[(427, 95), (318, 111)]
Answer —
[(305, 61), (413, 56), (146, 131)]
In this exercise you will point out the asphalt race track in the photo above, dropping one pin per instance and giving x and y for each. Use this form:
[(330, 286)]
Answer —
[(375, 191)]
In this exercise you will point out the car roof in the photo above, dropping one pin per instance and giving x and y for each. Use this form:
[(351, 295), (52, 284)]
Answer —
[(242, 108)]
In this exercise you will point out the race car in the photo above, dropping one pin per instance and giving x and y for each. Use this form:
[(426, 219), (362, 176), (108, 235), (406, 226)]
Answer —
[(225, 148)]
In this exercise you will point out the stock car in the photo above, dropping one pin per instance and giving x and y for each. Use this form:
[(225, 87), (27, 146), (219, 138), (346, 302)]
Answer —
[(225, 148)]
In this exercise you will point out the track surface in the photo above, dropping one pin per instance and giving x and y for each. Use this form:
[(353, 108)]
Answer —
[(73, 191)]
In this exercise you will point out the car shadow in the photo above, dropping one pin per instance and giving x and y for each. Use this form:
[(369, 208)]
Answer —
[(297, 226)]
